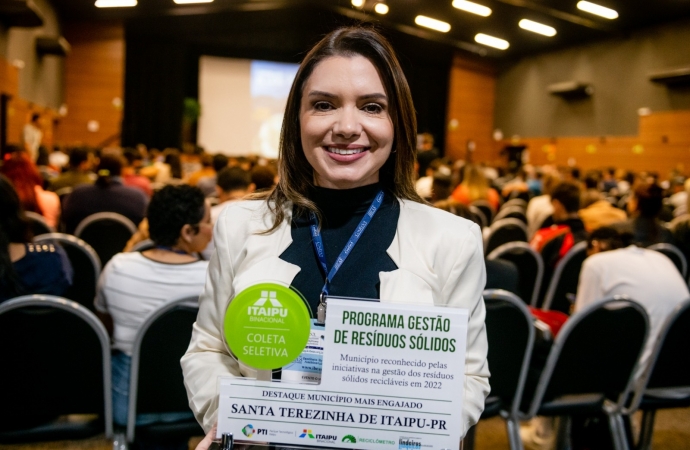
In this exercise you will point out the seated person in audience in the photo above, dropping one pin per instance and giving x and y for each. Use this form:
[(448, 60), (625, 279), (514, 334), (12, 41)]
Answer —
[(539, 209), (679, 195), (80, 163), (644, 206), (233, 184), (568, 229), (28, 183), (27, 268), (475, 186), (208, 184), (609, 184), (205, 171), (613, 267), (108, 194), (442, 184), (423, 185), (132, 162), (597, 212), (133, 285), (264, 177)]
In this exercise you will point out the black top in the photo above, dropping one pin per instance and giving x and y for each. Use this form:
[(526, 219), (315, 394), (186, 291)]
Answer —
[(44, 269), (341, 212)]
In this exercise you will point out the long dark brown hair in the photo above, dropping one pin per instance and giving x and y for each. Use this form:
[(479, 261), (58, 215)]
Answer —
[(396, 175)]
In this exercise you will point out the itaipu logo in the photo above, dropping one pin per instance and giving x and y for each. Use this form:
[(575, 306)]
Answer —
[(259, 308), (306, 434), (248, 430), (349, 438)]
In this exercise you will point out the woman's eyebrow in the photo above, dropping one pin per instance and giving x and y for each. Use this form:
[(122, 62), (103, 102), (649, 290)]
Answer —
[(372, 96)]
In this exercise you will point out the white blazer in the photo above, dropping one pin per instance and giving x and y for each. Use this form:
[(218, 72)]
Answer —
[(440, 262)]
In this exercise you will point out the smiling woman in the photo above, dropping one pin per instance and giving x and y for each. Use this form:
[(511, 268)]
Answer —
[(344, 219)]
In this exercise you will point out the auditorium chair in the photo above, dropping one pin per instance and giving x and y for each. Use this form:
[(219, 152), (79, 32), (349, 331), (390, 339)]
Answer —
[(56, 362), (511, 212), (529, 264), (156, 381), (522, 204), (478, 217), (106, 232), (486, 208), (562, 289), (146, 244), (669, 371), (590, 366), (675, 255), (38, 224), (85, 264), (503, 231), (510, 333)]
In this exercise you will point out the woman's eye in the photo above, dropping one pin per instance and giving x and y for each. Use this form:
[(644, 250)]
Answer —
[(373, 108), (322, 106)]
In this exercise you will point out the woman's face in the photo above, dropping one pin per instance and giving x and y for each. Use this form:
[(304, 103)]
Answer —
[(346, 128)]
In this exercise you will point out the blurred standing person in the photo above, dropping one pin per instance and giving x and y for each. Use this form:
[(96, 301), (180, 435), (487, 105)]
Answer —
[(32, 135)]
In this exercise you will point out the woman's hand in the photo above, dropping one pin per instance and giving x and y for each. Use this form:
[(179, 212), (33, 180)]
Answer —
[(206, 442)]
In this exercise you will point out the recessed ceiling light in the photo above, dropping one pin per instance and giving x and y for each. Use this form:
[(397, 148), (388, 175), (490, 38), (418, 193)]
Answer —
[(357, 3), (492, 41), (187, 2), (536, 27), (428, 22), (115, 3), (471, 7), (381, 8), (599, 10)]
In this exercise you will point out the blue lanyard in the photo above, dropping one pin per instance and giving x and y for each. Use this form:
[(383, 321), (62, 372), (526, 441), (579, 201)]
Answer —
[(321, 252)]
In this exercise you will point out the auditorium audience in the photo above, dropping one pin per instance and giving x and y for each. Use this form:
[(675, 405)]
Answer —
[(133, 285), (81, 160), (208, 184), (28, 183), (205, 171), (26, 268), (264, 177), (475, 186), (108, 194), (597, 212), (644, 206), (232, 184), (539, 209), (132, 162)]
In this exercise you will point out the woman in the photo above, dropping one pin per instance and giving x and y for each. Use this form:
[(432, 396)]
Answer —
[(348, 133), (133, 285), (26, 268), (28, 182), (475, 186)]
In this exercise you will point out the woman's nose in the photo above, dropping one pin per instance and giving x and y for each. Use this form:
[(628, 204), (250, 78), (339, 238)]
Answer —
[(347, 123)]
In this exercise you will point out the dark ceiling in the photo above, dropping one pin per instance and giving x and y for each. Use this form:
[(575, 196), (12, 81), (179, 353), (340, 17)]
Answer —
[(573, 26)]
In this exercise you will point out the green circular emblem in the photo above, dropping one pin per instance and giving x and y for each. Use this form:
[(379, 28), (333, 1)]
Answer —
[(267, 326)]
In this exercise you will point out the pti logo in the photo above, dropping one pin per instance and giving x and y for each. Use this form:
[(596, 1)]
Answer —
[(349, 438), (306, 434), (274, 310), (248, 430)]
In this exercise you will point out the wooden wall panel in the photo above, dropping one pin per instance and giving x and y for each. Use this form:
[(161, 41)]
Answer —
[(470, 115), (663, 145), (9, 78), (94, 78)]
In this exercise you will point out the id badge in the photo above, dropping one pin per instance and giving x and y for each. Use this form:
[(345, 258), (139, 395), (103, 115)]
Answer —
[(307, 367)]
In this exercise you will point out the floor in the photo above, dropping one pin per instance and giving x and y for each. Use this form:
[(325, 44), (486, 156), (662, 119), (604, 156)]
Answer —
[(671, 432)]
